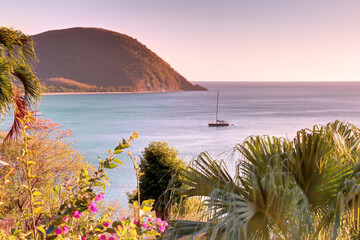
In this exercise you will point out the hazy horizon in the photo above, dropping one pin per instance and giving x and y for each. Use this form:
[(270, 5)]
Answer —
[(214, 41)]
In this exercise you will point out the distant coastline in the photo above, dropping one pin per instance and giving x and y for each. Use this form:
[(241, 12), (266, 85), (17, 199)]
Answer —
[(92, 93)]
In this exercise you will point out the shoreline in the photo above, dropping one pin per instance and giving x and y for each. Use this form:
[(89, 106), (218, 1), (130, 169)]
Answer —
[(92, 93)]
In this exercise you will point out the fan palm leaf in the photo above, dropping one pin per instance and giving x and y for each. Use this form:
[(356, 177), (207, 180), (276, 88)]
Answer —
[(307, 188), (238, 212)]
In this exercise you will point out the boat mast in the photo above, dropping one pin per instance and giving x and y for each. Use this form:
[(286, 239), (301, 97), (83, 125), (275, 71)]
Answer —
[(217, 106)]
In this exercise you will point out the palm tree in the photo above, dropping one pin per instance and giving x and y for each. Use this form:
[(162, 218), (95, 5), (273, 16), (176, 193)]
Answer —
[(17, 59), (307, 188)]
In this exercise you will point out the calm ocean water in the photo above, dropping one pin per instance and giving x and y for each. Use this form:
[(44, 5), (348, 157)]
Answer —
[(180, 118)]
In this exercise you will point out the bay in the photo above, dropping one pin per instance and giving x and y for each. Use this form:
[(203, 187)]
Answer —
[(181, 119)]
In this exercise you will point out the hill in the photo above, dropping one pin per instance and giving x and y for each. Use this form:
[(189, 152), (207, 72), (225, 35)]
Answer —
[(104, 59)]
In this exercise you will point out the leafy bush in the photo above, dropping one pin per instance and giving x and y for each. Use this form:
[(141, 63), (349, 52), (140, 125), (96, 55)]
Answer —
[(191, 208), (6, 173), (76, 216), (160, 169), (55, 162)]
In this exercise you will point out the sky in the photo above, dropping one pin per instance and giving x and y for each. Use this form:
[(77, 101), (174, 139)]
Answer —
[(224, 40)]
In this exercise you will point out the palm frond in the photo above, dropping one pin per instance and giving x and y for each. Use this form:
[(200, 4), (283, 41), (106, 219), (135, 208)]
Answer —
[(17, 47), (261, 151), (17, 59), (316, 168), (307, 188), (5, 86), (205, 176), (20, 111), (30, 82), (263, 201)]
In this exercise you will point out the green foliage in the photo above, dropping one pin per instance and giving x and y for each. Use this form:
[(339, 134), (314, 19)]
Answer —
[(17, 58), (307, 188), (6, 173), (52, 158), (191, 208), (54, 85), (76, 215), (35, 204), (161, 167)]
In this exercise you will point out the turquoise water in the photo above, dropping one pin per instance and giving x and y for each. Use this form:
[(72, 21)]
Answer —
[(180, 118)]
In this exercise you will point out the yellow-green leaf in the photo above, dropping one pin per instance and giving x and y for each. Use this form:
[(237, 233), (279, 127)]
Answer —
[(36, 193), (110, 165), (118, 161), (41, 229), (118, 151), (38, 210), (135, 204), (106, 182), (146, 206), (17, 232)]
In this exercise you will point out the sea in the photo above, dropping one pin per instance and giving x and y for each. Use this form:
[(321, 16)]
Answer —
[(100, 121)]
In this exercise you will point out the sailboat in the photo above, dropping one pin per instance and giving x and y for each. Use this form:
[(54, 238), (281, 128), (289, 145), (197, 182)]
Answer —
[(218, 123)]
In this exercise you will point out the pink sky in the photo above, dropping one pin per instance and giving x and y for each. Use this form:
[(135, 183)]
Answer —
[(259, 40)]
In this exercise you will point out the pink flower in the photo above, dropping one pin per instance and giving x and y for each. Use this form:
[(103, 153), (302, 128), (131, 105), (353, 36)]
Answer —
[(83, 238), (92, 207), (111, 238), (165, 224), (158, 220), (123, 219), (150, 228), (76, 214), (65, 229), (58, 231), (99, 197), (150, 219), (145, 225), (161, 228), (136, 222), (66, 218), (106, 224), (102, 237)]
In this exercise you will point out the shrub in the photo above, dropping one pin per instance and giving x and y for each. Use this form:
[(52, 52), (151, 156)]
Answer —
[(76, 216), (190, 209), (160, 166), (56, 161)]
